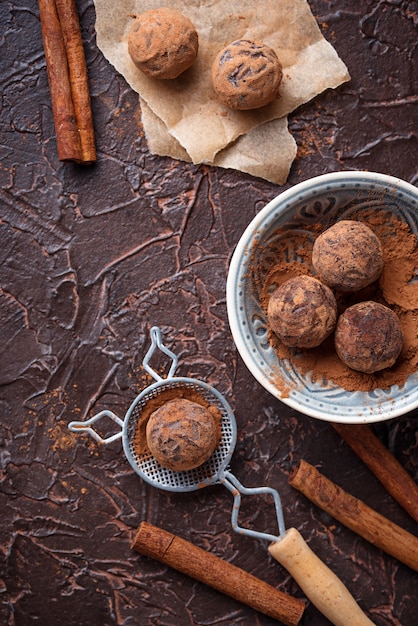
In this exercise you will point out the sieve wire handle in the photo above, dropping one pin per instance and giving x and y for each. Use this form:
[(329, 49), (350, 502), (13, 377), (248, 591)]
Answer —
[(157, 342), (85, 427), (237, 490), (323, 588)]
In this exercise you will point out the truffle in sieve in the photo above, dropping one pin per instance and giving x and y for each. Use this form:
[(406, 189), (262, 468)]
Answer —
[(181, 434)]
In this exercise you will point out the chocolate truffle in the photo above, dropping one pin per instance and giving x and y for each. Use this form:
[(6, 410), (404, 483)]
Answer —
[(181, 434), (246, 75), (368, 337), (348, 256), (162, 43), (302, 312)]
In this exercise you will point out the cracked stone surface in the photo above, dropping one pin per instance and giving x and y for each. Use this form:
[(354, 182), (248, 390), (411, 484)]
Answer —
[(90, 259)]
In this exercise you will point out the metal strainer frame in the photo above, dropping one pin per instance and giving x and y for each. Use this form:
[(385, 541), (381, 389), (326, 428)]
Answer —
[(213, 471)]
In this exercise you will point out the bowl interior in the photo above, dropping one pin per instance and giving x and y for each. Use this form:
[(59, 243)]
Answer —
[(344, 195)]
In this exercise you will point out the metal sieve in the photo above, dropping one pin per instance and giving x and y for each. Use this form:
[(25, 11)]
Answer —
[(213, 471), (321, 585)]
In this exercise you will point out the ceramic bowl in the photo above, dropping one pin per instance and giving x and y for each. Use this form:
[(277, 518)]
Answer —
[(324, 199)]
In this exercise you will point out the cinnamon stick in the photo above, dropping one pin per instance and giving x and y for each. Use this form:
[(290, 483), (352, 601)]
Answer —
[(67, 77), (70, 24), (383, 464), (356, 515), (189, 559)]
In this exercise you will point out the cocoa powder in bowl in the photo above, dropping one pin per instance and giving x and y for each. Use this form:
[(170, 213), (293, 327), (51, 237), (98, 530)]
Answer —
[(396, 287)]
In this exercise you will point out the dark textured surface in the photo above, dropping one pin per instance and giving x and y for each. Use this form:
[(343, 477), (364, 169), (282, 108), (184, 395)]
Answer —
[(91, 258)]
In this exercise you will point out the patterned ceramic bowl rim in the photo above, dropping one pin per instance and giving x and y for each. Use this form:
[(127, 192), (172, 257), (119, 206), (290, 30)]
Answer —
[(342, 193)]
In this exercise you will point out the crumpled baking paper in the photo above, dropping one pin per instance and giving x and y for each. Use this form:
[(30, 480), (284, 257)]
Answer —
[(183, 119)]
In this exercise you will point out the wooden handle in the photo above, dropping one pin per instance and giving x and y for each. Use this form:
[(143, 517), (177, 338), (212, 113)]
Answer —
[(383, 464), (217, 573), (356, 515), (323, 588)]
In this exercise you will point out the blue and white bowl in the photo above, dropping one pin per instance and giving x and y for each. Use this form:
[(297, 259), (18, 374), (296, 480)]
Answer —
[(341, 194)]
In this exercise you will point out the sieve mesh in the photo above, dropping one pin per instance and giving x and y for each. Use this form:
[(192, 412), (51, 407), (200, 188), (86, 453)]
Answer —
[(148, 467)]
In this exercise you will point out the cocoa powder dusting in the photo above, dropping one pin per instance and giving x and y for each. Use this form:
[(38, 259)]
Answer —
[(397, 288)]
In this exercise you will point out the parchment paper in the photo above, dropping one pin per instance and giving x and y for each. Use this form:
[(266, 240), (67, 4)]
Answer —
[(271, 162), (187, 106)]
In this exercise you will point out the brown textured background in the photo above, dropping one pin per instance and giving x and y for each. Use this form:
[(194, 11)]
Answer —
[(90, 259)]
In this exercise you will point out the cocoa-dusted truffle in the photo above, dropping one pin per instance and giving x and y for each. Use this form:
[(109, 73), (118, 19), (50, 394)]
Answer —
[(348, 256), (163, 43), (302, 312), (246, 75), (368, 337), (181, 434)]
